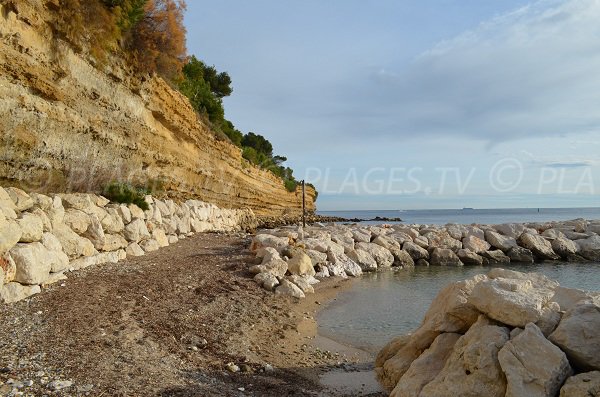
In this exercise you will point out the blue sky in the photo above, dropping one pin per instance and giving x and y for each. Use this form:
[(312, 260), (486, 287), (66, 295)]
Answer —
[(417, 104)]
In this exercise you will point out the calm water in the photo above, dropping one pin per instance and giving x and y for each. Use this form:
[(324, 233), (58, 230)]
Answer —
[(468, 216), (383, 305)]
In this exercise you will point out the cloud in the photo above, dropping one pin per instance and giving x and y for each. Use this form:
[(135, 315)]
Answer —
[(530, 73)]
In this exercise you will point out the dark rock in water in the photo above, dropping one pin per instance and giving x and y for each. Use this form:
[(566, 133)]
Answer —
[(385, 219)]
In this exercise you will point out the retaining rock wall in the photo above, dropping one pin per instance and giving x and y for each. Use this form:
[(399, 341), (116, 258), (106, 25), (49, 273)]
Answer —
[(43, 237)]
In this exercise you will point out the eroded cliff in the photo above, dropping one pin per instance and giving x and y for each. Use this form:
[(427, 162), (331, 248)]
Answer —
[(66, 125)]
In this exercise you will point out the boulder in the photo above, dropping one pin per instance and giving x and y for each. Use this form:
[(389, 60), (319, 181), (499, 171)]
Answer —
[(510, 301), (134, 249), (56, 213), (469, 258), (520, 255), (473, 231), (22, 200), (73, 244), (342, 261), (441, 239), (114, 242), (415, 251), (300, 264), (366, 262), (9, 268), (552, 234), (537, 279), (46, 222), (540, 247), (426, 367), (124, 213), (568, 298), (31, 226), (6, 202), (495, 257), (422, 242), (475, 244), (455, 231), (14, 292), (404, 259), (390, 349), (150, 245), (267, 240), (337, 270), (564, 247), (577, 335), (95, 233), (389, 244), (302, 283), (77, 220), (266, 280), (10, 234), (499, 241), (589, 248), (316, 257), (275, 266), (513, 230), (32, 261), (361, 235), (136, 231), (533, 366), (444, 257), (472, 368), (290, 289), (136, 212), (382, 256), (582, 385), (160, 237), (112, 221)]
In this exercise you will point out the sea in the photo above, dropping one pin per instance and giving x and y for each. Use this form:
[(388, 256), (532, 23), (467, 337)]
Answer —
[(382, 305), (468, 216)]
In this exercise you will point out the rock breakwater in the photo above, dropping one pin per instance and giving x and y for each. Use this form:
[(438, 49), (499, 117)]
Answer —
[(44, 237), (349, 250), (506, 333)]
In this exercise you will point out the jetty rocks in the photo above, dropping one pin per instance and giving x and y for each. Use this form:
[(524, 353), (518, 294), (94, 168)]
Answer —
[(43, 237), (506, 333), (302, 256)]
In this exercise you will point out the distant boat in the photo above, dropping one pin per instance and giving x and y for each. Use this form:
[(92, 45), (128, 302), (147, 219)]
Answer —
[(467, 209)]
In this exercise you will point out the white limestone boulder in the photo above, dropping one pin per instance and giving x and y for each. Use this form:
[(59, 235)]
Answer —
[(289, 289), (472, 368), (444, 257), (382, 256), (14, 292), (31, 226), (426, 367), (33, 263), (366, 262), (136, 231), (500, 241), (577, 335), (540, 247), (533, 366), (415, 251), (22, 200), (510, 301), (582, 385), (475, 244)]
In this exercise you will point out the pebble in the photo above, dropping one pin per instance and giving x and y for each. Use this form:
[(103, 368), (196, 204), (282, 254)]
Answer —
[(59, 384), (231, 367), (268, 368)]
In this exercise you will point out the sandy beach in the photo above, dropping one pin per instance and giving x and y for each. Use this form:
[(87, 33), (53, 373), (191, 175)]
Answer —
[(187, 320)]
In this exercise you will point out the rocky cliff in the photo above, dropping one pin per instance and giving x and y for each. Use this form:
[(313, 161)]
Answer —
[(67, 125)]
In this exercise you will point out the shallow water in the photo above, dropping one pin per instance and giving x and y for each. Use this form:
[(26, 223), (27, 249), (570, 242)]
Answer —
[(382, 305)]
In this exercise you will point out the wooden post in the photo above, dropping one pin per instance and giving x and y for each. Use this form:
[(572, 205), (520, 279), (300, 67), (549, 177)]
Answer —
[(303, 206)]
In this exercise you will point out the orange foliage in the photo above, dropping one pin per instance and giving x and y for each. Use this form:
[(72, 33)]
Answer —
[(157, 42)]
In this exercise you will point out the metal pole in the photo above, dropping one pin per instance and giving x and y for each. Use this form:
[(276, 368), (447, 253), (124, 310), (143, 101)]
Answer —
[(303, 207)]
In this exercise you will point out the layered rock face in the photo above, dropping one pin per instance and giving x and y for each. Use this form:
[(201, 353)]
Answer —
[(44, 237), (66, 125), (504, 334)]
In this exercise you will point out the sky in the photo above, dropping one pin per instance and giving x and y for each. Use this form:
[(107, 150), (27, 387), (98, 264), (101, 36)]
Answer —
[(391, 104)]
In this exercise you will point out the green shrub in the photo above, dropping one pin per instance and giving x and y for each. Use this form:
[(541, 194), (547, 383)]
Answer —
[(125, 193), (290, 185)]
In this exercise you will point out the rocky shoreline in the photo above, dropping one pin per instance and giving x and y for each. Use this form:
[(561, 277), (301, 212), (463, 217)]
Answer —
[(290, 259), (504, 334)]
